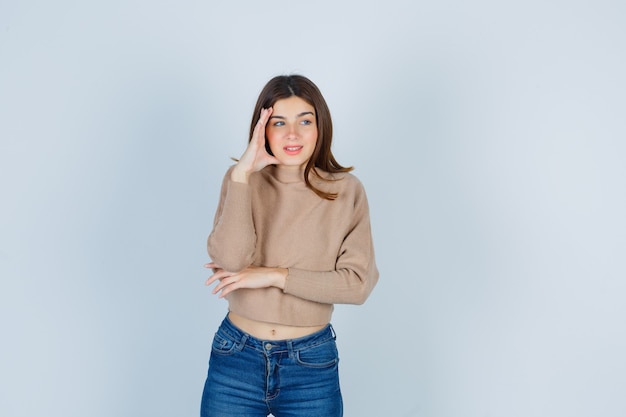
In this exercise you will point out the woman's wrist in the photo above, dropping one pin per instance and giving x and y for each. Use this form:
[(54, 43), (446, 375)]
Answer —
[(239, 175), (281, 277)]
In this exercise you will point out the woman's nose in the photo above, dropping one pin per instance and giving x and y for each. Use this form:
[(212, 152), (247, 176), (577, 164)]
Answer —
[(292, 134)]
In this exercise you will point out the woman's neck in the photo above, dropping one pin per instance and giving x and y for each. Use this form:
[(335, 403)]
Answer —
[(288, 174)]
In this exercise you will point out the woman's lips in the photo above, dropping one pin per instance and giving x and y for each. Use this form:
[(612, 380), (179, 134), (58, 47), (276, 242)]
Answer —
[(292, 150)]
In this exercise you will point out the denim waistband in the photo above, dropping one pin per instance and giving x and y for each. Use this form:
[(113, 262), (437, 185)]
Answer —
[(275, 346)]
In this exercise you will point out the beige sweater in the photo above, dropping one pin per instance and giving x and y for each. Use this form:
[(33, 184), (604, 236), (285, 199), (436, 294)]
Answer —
[(276, 221)]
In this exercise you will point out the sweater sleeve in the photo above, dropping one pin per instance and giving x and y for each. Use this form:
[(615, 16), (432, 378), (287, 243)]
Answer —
[(232, 241), (355, 273)]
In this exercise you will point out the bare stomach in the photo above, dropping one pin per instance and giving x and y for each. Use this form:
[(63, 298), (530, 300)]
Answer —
[(271, 331)]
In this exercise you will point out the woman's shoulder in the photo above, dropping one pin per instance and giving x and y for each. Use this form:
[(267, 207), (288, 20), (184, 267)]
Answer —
[(342, 182), (347, 177)]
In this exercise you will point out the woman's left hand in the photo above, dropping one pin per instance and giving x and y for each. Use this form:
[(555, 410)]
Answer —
[(251, 277)]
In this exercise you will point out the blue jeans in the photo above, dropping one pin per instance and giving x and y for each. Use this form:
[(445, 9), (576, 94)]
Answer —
[(249, 377)]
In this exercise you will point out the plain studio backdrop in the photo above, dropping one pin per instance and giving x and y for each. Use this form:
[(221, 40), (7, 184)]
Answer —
[(490, 137)]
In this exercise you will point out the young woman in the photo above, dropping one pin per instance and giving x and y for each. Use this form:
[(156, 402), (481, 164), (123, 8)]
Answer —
[(291, 237)]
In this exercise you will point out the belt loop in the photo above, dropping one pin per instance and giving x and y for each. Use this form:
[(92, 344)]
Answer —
[(242, 342), (290, 348), (332, 331)]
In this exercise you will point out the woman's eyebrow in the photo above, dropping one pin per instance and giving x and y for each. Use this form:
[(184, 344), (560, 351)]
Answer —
[(304, 113)]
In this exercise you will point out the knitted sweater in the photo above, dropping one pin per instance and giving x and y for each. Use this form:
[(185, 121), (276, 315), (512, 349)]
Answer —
[(276, 221)]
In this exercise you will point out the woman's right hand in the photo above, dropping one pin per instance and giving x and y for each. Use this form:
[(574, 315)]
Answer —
[(255, 157)]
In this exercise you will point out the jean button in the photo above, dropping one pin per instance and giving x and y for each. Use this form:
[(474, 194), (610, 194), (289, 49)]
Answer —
[(268, 346)]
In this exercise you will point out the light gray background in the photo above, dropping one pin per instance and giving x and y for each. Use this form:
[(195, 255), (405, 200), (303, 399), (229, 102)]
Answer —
[(490, 137)]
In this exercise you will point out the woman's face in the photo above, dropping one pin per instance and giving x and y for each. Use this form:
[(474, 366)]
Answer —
[(292, 131)]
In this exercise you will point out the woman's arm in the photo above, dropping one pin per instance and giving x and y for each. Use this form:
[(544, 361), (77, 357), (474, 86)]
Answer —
[(351, 282), (232, 242), (355, 273), (251, 277)]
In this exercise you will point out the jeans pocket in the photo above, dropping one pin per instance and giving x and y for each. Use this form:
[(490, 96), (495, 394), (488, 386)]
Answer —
[(222, 345), (324, 355)]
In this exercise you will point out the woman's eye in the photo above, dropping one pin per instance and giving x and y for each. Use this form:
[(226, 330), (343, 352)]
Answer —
[(279, 123), (306, 122)]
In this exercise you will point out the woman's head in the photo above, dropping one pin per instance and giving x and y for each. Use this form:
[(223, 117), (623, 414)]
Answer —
[(286, 86), (291, 132)]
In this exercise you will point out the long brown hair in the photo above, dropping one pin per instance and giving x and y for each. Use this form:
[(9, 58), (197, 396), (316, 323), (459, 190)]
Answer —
[(285, 86)]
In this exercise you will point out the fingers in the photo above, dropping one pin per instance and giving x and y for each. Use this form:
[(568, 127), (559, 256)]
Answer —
[(259, 129), (225, 287), (227, 283), (255, 157), (251, 277), (219, 275), (227, 280), (265, 116)]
